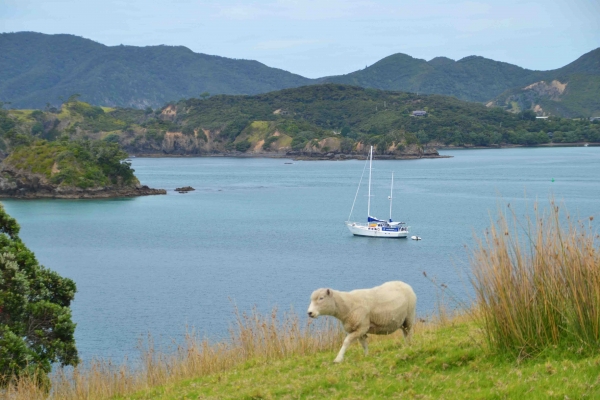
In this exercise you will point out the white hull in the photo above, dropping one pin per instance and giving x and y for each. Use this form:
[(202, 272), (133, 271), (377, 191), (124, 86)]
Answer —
[(364, 230)]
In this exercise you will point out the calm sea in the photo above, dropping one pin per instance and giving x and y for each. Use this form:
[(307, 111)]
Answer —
[(259, 232)]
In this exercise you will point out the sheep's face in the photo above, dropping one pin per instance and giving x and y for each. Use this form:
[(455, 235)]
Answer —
[(321, 303)]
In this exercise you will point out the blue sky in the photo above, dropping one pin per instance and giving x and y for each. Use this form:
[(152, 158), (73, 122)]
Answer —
[(327, 37)]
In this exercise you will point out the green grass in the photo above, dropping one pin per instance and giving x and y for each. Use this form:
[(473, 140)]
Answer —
[(448, 362)]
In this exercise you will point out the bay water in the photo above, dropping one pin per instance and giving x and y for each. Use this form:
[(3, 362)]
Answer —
[(265, 233)]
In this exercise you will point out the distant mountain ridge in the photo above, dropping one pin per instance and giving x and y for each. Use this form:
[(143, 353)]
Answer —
[(36, 69), (472, 78)]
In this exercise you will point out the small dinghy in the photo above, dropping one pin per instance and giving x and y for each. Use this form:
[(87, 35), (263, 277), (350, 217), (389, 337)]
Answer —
[(415, 237)]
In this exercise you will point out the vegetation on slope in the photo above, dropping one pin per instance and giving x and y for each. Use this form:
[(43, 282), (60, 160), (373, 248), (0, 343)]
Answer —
[(472, 78), (575, 96), (38, 68), (373, 117), (310, 119), (83, 164)]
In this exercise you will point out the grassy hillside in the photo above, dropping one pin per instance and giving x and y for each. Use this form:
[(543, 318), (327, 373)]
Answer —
[(312, 119), (449, 362), (36, 69)]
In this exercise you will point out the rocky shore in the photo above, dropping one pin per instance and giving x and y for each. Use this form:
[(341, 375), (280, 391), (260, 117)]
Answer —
[(302, 155), (26, 185), (412, 153)]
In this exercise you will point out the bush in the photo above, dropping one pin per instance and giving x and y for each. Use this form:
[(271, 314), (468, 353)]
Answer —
[(37, 129), (36, 329), (269, 141), (112, 138), (243, 146), (187, 130)]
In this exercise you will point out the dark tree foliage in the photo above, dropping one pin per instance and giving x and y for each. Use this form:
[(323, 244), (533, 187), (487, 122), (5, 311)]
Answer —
[(36, 329)]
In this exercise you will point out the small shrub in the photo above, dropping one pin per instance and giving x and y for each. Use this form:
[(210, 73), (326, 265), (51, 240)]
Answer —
[(243, 146), (269, 141), (112, 138), (187, 130)]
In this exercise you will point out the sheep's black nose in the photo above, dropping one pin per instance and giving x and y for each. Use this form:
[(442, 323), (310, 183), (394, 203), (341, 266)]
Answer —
[(310, 314)]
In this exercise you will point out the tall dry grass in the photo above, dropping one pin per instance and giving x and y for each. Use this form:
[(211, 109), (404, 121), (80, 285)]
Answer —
[(252, 337), (537, 283)]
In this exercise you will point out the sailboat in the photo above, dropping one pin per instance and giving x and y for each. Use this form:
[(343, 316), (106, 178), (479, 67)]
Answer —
[(376, 227)]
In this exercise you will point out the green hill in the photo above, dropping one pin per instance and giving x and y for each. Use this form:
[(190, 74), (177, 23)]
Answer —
[(472, 78), (314, 120), (36, 68), (572, 91), (479, 79), (74, 164)]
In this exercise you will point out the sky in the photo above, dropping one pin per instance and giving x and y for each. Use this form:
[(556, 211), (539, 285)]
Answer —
[(316, 38)]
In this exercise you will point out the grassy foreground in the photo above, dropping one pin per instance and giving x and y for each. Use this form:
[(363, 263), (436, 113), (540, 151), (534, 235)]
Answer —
[(450, 361)]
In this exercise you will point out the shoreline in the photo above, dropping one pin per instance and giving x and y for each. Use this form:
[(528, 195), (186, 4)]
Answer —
[(82, 194), (337, 157), (515, 146), (342, 157)]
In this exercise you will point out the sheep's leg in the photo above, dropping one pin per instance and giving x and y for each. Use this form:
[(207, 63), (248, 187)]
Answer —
[(350, 338), (407, 329), (363, 341)]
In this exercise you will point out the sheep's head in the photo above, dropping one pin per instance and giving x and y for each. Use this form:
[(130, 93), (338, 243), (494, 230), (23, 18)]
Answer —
[(321, 303)]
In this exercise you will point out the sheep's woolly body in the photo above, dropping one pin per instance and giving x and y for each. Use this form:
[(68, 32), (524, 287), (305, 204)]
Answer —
[(381, 310)]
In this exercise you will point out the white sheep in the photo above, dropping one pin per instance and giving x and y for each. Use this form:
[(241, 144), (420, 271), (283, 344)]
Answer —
[(381, 310)]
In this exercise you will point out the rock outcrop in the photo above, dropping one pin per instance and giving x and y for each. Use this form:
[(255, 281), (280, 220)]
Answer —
[(184, 189), (26, 185)]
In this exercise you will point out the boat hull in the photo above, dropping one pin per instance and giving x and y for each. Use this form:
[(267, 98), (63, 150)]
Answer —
[(362, 230)]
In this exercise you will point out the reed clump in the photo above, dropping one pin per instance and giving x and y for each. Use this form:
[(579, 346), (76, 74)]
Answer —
[(537, 283), (253, 336)]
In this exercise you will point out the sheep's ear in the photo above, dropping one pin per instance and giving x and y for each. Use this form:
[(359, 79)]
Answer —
[(328, 292)]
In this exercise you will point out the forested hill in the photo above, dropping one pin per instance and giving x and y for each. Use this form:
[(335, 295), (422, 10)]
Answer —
[(316, 120), (571, 91), (472, 78), (36, 69)]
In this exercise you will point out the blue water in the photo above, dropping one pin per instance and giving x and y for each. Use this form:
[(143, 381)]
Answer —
[(261, 232)]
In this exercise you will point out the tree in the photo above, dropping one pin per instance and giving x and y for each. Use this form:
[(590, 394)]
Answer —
[(73, 98), (204, 95), (35, 316)]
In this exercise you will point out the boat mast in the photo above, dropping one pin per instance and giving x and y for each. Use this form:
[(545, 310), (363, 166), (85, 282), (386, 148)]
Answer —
[(370, 164), (391, 195)]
